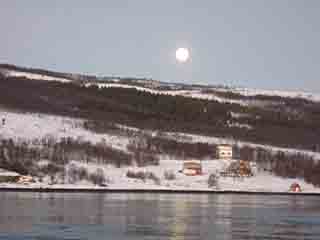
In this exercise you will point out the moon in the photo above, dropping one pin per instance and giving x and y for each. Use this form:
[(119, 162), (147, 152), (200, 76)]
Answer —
[(182, 55)]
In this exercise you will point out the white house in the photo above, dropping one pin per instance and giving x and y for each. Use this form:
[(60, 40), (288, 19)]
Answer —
[(224, 151)]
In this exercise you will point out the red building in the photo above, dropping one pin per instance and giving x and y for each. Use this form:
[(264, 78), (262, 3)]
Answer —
[(192, 168)]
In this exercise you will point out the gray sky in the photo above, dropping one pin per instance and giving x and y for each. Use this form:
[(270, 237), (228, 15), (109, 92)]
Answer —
[(270, 44)]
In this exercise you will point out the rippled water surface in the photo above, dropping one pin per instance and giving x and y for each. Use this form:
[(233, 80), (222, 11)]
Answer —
[(72, 216)]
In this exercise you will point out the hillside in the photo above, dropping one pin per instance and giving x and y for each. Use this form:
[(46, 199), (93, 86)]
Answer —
[(58, 124), (284, 121), (61, 153)]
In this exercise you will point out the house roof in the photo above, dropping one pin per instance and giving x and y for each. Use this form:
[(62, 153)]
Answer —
[(192, 164), (224, 145)]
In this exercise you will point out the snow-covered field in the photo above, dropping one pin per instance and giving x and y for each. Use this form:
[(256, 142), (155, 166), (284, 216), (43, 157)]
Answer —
[(117, 179), (259, 182)]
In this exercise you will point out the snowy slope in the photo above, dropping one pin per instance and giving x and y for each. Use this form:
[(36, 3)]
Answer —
[(35, 76), (199, 94), (288, 94), (214, 140), (29, 126), (195, 93)]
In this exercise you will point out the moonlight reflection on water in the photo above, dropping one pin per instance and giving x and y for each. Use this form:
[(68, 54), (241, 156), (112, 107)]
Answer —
[(157, 216)]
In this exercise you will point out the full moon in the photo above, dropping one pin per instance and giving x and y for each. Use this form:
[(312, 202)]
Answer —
[(182, 54)]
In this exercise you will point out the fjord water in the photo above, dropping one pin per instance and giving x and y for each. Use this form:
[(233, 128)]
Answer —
[(121, 216)]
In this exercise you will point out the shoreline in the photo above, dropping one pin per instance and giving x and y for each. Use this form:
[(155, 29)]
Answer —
[(157, 191)]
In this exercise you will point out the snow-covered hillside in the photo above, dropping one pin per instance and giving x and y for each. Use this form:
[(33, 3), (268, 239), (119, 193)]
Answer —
[(28, 126), (214, 140), (197, 94), (281, 93), (21, 126), (34, 76)]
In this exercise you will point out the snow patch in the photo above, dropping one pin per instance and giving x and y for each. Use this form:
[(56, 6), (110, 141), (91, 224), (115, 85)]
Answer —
[(35, 76), (196, 94)]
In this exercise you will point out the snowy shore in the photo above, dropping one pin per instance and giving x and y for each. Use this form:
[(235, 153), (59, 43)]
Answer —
[(147, 191), (118, 181)]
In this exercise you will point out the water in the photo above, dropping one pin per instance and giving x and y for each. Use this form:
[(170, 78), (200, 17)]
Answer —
[(72, 216)]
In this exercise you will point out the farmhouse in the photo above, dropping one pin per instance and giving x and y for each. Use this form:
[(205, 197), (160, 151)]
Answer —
[(192, 168), (224, 151)]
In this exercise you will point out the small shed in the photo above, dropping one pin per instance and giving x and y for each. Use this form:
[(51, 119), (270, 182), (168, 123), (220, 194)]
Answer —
[(295, 187), (192, 168), (224, 151)]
